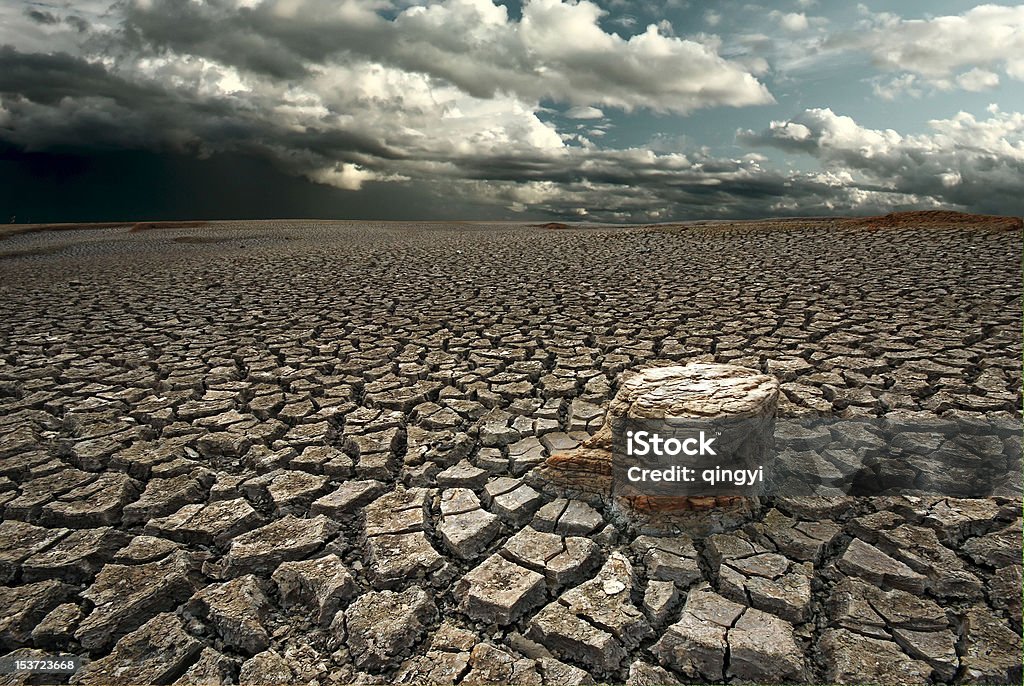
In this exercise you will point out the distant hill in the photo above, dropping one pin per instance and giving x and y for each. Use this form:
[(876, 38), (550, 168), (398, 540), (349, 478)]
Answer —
[(898, 220)]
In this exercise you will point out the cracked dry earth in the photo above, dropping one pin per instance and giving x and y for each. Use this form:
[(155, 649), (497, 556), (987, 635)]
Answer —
[(281, 452)]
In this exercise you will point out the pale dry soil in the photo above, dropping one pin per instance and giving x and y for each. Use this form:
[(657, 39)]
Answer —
[(276, 452)]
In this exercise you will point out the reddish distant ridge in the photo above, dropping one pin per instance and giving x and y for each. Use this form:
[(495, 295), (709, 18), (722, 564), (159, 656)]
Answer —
[(913, 219), (898, 220)]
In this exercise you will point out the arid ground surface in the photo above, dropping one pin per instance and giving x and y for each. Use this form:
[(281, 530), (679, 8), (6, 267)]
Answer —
[(277, 452)]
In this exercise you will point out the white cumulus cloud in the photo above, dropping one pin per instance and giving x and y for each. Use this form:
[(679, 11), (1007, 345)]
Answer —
[(793, 21), (584, 112), (965, 50), (962, 160), (978, 80), (556, 50)]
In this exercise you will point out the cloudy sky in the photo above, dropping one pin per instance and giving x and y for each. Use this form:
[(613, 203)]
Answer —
[(603, 110)]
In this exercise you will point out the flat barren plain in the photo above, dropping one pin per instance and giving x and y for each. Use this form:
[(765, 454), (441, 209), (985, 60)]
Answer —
[(299, 452)]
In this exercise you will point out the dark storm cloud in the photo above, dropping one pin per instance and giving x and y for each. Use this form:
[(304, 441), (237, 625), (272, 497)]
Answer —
[(60, 100), (79, 24), (47, 78), (135, 185), (63, 100), (212, 31), (454, 101), (69, 101), (41, 17)]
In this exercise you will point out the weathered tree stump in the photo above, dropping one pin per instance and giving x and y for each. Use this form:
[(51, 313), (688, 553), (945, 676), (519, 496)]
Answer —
[(715, 392)]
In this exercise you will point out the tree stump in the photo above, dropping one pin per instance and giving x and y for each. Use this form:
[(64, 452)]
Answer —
[(695, 391)]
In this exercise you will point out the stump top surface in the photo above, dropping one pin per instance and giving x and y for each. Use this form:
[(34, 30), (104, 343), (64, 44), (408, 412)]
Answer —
[(696, 390)]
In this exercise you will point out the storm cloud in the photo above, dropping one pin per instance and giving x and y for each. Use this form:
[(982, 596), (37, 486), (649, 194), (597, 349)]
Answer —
[(529, 108)]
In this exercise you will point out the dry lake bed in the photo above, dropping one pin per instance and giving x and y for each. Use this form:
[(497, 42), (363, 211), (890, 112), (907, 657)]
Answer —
[(297, 451)]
